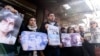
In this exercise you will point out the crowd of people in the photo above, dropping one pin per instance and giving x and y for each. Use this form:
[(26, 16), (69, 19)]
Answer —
[(87, 48)]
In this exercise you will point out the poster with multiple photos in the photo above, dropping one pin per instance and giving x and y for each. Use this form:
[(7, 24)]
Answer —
[(53, 35), (9, 26), (33, 40), (70, 40)]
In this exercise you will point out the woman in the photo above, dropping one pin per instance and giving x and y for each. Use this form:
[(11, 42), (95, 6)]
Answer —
[(31, 26), (63, 30), (73, 51)]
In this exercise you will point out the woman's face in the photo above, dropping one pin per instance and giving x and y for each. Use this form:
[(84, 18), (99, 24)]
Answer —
[(7, 25), (32, 22), (71, 30)]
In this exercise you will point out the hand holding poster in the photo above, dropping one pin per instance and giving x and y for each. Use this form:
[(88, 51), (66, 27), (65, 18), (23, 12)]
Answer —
[(9, 26), (53, 35), (33, 40), (73, 39)]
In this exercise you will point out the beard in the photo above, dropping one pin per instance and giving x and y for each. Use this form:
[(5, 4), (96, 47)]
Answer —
[(53, 20)]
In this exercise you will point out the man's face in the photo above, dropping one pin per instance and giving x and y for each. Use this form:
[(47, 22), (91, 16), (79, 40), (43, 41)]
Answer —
[(32, 22), (51, 17), (7, 25), (93, 25)]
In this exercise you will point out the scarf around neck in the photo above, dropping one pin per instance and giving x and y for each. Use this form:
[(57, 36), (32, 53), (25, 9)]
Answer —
[(33, 28)]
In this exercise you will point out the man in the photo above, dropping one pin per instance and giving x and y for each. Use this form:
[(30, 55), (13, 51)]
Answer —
[(81, 30), (50, 50), (91, 43)]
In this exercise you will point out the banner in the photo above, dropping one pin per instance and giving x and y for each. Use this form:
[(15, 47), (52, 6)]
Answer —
[(69, 40), (9, 26), (33, 40), (53, 35)]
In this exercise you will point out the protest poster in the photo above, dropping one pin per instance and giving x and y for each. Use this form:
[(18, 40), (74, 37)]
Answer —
[(9, 26), (66, 40), (76, 39), (87, 36), (92, 37), (53, 35), (33, 40), (72, 39)]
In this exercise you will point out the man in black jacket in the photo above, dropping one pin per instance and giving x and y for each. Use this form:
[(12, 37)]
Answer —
[(50, 50)]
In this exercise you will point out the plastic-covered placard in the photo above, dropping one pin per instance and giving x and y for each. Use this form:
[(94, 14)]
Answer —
[(92, 37), (70, 40), (33, 40), (87, 36), (53, 35), (66, 40), (9, 26)]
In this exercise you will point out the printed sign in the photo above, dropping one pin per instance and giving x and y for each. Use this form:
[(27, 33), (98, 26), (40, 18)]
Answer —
[(73, 39), (92, 37), (66, 39), (53, 35), (33, 40), (9, 26), (87, 36)]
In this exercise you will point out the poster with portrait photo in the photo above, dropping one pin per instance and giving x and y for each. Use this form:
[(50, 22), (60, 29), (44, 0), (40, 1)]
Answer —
[(66, 40), (53, 35), (87, 36), (76, 39), (9, 26), (70, 40), (33, 40)]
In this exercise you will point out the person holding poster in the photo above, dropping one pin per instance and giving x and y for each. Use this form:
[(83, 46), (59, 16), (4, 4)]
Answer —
[(95, 31), (67, 50), (94, 40), (74, 50), (9, 26), (50, 50), (32, 27), (86, 44), (63, 51)]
